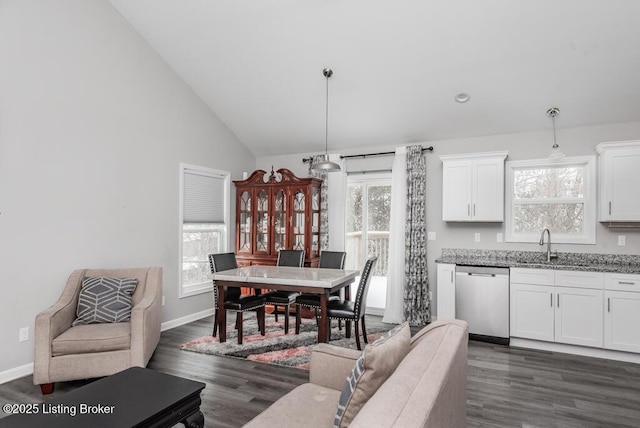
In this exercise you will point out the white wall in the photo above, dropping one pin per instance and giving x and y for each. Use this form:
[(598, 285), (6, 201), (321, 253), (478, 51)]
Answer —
[(573, 142), (93, 126)]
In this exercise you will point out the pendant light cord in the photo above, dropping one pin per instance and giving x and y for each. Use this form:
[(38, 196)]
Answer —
[(326, 122), (553, 120), (552, 113)]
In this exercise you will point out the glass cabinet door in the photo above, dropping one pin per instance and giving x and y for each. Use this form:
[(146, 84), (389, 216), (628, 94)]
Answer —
[(315, 222), (298, 219), (280, 216), (262, 222), (244, 209)]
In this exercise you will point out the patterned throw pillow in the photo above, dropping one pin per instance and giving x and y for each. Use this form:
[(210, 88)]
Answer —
[(376, 363), (105, 300)]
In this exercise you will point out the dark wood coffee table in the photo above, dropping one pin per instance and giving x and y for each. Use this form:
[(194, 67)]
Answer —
[(136, 397)]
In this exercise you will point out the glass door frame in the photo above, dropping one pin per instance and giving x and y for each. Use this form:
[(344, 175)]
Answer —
[(366, 180)]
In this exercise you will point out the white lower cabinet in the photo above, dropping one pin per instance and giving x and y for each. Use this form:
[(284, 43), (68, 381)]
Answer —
[(531, 311), (621, 321), (446, 291), (578, 319), (622, 312), (552, 306)]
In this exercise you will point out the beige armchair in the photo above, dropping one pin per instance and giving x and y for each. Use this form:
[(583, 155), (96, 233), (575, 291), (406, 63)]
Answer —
[(64, 352)]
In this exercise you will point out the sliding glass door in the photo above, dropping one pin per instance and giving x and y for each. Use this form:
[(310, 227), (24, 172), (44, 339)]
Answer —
[(368, 209)]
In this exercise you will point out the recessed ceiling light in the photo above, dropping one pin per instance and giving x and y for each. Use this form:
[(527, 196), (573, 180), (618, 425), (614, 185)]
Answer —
[(462, 98)]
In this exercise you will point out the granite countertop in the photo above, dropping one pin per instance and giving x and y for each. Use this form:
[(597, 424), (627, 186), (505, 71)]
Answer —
[(615, 263)]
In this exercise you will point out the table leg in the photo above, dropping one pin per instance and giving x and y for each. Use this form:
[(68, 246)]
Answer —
[(347, 323), (194, 420), (221, 313), (323, 321)]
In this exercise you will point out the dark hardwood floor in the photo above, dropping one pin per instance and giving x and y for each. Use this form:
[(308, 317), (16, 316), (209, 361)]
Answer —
[(507, 387)]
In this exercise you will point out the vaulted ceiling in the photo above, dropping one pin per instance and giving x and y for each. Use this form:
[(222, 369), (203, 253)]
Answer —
[(398, 65)]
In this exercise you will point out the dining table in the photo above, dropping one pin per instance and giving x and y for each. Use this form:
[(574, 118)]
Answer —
[(320, 281)]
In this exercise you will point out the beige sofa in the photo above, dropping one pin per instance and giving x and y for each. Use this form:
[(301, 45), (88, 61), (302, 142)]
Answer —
[(427, 389), (64, 352)]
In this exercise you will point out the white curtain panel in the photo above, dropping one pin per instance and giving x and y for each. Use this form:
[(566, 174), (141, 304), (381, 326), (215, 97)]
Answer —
[(337, 196), (393, 312)]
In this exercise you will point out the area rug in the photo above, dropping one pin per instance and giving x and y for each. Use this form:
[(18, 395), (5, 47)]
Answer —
[(292, 350)]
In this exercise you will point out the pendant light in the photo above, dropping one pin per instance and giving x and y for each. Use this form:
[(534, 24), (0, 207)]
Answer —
[(556, 153), (323, 164)]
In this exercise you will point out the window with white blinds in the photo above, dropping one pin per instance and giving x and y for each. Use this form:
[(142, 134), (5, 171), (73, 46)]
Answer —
[(203, 197), (204, 224)]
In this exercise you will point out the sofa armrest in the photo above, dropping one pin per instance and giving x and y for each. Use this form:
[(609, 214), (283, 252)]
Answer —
[(52, 322), (330, 365), (146, 318)]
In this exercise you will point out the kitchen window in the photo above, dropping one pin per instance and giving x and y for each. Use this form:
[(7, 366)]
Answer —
[(204, 225), (559, 195)]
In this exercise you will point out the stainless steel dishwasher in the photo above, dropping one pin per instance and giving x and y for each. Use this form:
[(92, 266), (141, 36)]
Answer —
[(482, 299)]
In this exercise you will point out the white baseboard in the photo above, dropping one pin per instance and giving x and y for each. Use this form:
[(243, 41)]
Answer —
[(576, 350), (16, 373), (187, 319), (374, 311)]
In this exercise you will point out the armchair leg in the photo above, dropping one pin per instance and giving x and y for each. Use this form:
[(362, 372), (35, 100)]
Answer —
[(46, 388)]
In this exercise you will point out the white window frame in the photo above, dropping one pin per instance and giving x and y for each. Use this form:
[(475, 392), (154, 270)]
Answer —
[(204, 287), (589, 228)]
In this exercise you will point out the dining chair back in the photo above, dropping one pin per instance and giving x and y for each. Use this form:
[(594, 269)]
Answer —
[(221, 262), (293, 258), (363, 288), (328, 260), (354, 311), (234, 300), (332, 259)]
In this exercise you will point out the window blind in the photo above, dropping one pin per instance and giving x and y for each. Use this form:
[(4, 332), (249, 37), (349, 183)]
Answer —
[(203, 198)]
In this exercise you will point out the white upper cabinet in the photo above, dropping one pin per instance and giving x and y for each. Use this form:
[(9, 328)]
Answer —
[(473, 187), (619, 175)]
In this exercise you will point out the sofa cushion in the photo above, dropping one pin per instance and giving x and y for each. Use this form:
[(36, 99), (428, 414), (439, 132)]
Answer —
[(105, 300), (428, 388), (372, 369), (90, 338), (307, 405)]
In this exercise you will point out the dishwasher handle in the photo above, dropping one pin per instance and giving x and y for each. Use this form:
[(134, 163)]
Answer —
[(481, 271), (480, 274)]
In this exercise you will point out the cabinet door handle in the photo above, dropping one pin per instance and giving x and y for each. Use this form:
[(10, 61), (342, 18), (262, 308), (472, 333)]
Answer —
[(551, 299), (468, 209), (452, 277), (558, 299), (609, 207), (626, 283), (474, 210), (608, 304)]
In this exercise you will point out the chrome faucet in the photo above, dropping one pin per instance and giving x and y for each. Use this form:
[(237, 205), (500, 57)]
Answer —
[(549, 255)]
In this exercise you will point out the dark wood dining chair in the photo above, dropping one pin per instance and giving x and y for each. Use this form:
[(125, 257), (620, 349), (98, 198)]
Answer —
[(354, 310), (328, 260), (278, 298), (234, 299)]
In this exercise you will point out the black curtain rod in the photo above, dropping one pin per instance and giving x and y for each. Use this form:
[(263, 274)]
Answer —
[(364, 155)]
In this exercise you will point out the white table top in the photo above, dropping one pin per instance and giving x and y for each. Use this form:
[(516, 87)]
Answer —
[(285, 275)]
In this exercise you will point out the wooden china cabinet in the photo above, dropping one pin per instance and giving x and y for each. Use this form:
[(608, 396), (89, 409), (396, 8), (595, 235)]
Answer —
[(275, 211)]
